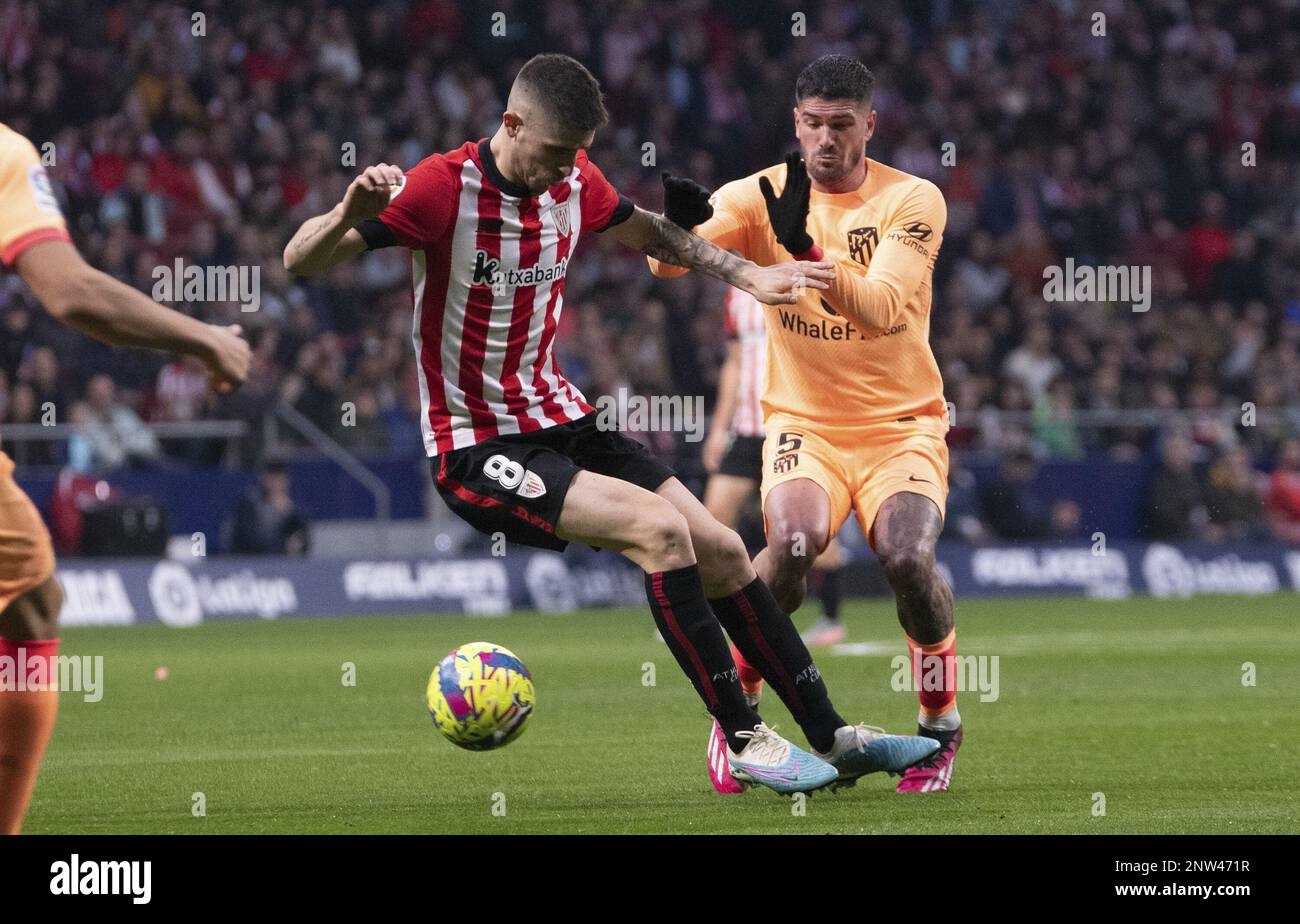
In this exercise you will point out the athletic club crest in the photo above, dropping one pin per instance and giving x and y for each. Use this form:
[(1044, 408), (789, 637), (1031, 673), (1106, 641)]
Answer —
[(561, 215)]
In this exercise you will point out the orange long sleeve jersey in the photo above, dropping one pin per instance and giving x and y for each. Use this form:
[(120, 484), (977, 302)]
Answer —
[(858, 352), (29, 213)]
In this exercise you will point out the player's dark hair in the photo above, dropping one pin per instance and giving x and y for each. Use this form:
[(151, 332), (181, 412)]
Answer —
[(568, 90), (835, 77)]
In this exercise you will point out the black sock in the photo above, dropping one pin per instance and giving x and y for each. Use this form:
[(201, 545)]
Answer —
[(768, 640), (696, 641), (830, 594)]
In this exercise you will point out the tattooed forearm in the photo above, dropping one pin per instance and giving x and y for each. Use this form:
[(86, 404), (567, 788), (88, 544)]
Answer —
[(313, 247), (309, 232), (670, 244)]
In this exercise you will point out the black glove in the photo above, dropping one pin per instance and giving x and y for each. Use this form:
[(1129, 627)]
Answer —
[(788, 213), (686, 202)]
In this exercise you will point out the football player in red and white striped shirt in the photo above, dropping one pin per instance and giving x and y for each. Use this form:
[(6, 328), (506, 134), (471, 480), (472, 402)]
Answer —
[(516, 448)]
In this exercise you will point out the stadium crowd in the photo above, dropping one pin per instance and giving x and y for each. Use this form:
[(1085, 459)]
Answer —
[(1167, 142)]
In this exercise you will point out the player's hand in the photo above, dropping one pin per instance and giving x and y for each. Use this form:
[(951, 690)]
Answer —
[(686, 202), (788, 212), (715, 444), (369, 193), (228, 357), (783, 283)]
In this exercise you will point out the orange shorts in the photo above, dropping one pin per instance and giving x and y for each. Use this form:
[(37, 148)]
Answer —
[(26, 553), (859, 466)]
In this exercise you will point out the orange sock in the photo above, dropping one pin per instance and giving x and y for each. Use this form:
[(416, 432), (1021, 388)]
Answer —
[(934, 673), (751, 681), (26, 720)]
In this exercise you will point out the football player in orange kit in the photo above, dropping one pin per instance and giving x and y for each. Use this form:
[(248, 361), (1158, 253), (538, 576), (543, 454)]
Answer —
[(853, 402), (34, 241)]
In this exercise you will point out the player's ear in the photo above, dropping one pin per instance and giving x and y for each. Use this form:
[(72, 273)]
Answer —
[(871, 125), (512, 121)]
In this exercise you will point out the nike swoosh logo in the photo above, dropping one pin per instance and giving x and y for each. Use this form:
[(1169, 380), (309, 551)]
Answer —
[(914, 478)]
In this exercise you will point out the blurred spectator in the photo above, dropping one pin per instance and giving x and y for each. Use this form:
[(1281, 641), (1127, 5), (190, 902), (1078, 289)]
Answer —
[(1233, 500), (23, 409), (142, 212), (1011, 504), (363, 431), (313, 387), (1055, 429), (402, 417), (110, 434), (1066, 520), (42, 371), (181, 391), (81, 453), (1208, 243), (17, 320), (1237, 278), (1175, 507), (265, 521), (1210, 428), (996, 435), (1033, 364), (962, 520), (1284, 493), (982, 279)]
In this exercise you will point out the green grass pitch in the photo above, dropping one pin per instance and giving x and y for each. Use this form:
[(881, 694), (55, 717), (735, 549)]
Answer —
[(1141, 700)]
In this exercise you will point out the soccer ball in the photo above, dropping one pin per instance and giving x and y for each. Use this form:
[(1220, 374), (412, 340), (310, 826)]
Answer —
[(481, 696)]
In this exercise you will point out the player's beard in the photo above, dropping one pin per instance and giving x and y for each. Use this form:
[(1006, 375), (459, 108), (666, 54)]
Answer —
[(827, 175)]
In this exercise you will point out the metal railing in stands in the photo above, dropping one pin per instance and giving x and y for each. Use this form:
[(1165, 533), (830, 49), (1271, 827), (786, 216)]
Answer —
[(232, 432), (229, 431), (324, 443), (1137, 418)]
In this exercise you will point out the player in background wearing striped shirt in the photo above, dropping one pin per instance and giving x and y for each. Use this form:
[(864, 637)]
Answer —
[(853, 406), (34, 242), (733, 457), (516, 449)]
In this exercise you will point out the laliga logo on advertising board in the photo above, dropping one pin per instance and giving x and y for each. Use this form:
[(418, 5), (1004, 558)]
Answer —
[(1170, 573), (180, 599), (550, 584)]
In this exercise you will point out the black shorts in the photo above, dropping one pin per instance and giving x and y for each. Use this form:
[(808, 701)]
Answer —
[(743, 458), (515, 485)]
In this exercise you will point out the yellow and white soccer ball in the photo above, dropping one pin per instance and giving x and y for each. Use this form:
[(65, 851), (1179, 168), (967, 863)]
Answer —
[(481, 696)]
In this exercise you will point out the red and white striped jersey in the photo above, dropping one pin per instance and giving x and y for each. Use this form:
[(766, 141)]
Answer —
[(488, 261), (746, 325)]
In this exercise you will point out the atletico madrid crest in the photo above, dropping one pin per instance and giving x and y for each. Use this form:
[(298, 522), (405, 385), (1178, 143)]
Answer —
[(862, 243)]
